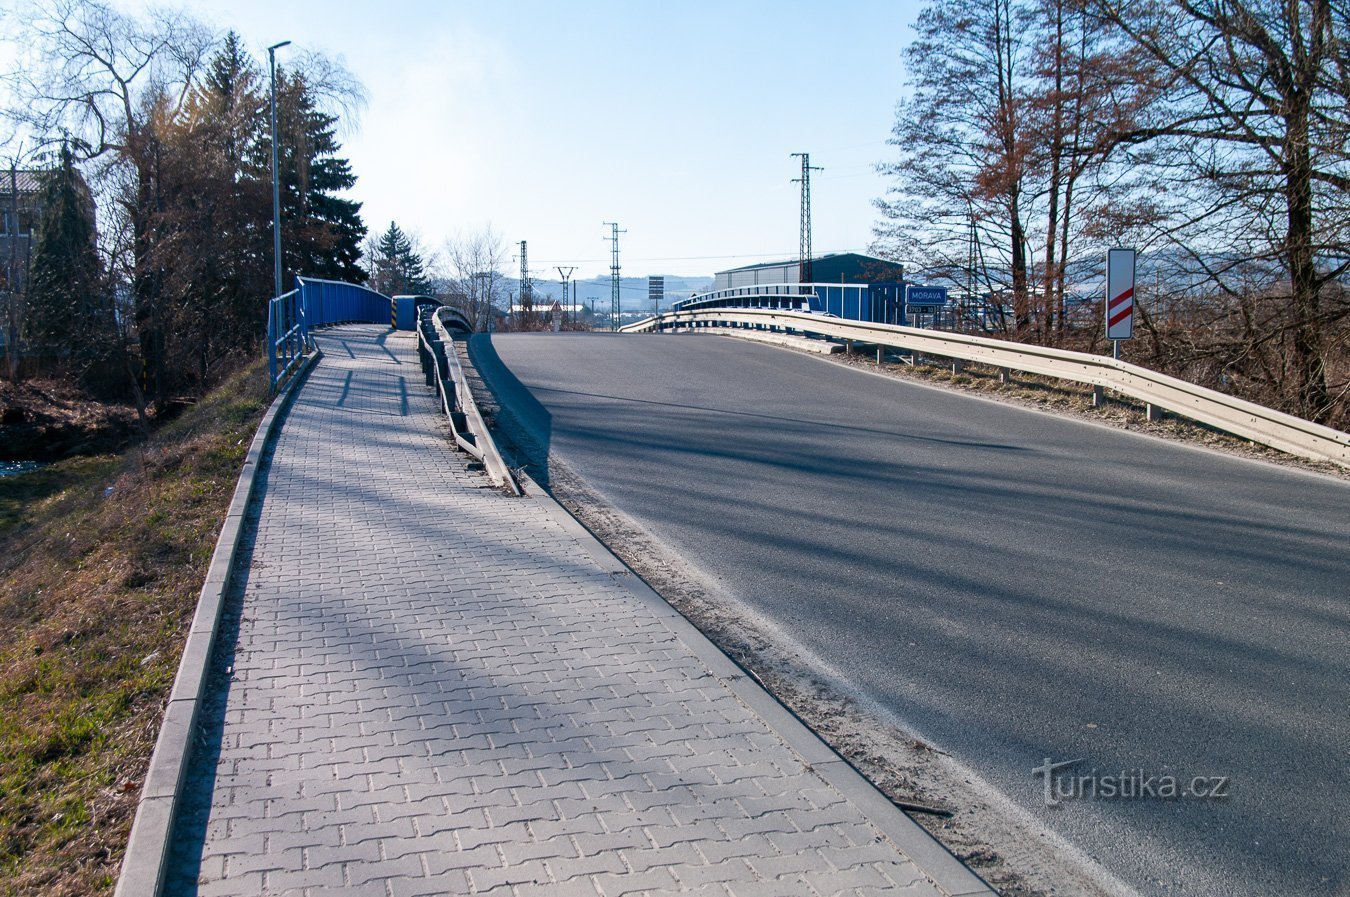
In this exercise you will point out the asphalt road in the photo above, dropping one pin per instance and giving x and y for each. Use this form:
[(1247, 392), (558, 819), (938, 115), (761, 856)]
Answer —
[(1017, 586)]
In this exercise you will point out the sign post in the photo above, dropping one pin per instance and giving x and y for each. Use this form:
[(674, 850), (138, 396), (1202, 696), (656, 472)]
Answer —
[(1119, 297), (931, 299), (656, 291)]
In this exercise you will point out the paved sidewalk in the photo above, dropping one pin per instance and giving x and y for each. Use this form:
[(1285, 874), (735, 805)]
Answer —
[(437, 689)]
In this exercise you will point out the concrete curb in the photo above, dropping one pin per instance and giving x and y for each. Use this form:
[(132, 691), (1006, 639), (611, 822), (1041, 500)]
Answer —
[(948, 873), (144, 864)]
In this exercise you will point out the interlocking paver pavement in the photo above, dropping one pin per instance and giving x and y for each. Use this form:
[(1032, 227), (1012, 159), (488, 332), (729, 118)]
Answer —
[(434, 689)]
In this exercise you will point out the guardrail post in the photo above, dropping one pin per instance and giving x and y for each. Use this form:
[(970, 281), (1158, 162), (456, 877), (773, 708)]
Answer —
[(1098, 396), (956, 366), (881, 355), (1152, 412), (1004, 375)]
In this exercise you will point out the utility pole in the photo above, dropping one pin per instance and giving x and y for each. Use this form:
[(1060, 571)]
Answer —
[(614, 274), (482, 302), (565, 273), (276, 182), (526, 295), (804, 247)]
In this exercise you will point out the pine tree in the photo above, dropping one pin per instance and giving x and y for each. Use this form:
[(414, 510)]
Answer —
[(321, 232), (211, 222), (397, 268), (68, 315)]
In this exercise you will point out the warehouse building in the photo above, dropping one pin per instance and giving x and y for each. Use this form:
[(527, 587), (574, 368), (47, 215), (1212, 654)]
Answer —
[(842, 267)]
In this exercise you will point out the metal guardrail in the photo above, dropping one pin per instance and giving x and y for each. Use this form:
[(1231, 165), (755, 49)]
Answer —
[(791, 292), (1224, 412), (440, 365), (287, 336)]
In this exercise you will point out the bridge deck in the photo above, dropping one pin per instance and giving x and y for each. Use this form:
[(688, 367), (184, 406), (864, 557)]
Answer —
[(430, 688)]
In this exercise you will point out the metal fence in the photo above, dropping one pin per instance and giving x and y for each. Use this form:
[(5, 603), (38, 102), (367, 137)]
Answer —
[(287, 336), (333, 302), (316, 303)]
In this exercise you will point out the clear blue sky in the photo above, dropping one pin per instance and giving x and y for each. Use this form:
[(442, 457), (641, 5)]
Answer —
[(545, 119)]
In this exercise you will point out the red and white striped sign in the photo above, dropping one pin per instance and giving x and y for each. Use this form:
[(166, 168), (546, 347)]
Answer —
[(1119, 293)]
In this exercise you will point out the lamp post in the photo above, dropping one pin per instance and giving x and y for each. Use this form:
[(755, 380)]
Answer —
[(276, 184)]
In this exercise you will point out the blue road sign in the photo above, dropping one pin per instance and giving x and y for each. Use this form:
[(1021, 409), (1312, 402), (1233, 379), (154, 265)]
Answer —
[(915, 295)]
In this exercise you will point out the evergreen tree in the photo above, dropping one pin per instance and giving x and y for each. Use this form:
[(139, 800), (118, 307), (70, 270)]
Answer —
[(230, 91), (213, 240), (68, 315), (321, 232), (398, 269)]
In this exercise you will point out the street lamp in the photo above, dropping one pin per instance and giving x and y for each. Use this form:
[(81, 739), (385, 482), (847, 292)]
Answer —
[(276, 184)]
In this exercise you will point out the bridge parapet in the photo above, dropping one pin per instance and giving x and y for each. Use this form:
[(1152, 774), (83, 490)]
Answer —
[(319, 303), (316, 303), (335, 302)]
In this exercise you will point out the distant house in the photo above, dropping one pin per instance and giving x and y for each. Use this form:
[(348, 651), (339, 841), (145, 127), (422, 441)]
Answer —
[(16, 232)]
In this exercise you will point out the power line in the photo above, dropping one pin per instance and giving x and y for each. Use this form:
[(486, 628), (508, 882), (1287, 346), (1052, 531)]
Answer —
[(614, 271), (804, 248)]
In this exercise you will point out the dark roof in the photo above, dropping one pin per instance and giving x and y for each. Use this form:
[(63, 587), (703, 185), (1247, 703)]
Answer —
[(26, 181), (814, 260)]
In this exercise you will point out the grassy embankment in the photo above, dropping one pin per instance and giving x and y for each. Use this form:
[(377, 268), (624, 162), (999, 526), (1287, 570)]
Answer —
[(101, 561)]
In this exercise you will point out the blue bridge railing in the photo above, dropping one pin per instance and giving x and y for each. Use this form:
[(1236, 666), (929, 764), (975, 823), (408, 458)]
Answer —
[(316, 303), (334, 302), (287, 336)]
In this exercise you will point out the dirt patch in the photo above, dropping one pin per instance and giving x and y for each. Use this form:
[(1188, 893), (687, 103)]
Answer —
[(1005, 846), (44, 420)]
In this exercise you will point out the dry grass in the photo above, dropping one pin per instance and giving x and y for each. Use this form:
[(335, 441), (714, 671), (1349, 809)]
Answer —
[(101, 560)]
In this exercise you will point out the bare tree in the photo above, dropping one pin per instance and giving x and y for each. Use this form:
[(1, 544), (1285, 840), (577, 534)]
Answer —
[(1250, 143), (472, 261), (962, 177), (1091, 86), (88, 69)]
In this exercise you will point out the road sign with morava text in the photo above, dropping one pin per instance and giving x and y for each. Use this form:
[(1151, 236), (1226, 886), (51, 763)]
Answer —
[(1119, 294)]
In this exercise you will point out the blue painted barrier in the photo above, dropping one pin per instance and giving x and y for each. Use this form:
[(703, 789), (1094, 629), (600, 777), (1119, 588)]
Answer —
[(316, 303), (333, 302)]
